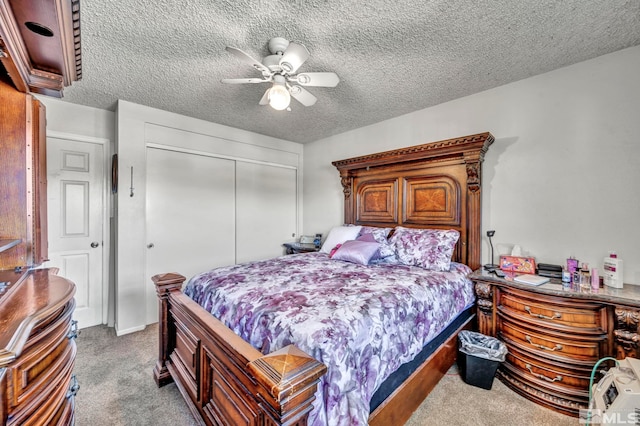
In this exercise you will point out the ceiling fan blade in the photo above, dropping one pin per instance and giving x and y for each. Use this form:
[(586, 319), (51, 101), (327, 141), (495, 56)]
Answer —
[(249, 59), (324, 79), (243, 80), (293, 57), (302, 95), (265, 98)]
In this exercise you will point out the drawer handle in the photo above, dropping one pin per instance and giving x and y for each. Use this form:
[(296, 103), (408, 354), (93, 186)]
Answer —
[(556, 315), (557, 347), (74, 387), (73, 333), (542, 376)]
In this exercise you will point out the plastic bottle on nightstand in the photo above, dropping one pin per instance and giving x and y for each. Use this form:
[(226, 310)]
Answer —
[(613, 271), (595, 280)]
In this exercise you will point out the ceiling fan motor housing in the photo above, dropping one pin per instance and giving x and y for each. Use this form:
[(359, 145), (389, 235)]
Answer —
[(272, 62), (278, 45)]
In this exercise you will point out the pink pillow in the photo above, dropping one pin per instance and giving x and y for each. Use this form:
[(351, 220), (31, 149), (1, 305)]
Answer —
[(360, 252), (367, 237)]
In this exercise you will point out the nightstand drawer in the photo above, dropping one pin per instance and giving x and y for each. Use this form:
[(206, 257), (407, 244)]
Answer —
[(543, 373), (564, 315), (554, 346)]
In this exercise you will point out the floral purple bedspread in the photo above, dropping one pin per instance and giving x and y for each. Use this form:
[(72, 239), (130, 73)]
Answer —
[(363, 322)]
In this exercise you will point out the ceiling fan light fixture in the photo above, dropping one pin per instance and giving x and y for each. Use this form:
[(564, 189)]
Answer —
[(279, 97), (280, 70)]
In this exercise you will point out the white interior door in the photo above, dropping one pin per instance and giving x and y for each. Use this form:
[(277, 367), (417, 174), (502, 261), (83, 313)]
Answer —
[(190, 223), (75, 197), (266, 210)]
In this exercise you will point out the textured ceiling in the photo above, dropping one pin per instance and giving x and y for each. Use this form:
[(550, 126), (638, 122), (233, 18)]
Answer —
[(393, 57)]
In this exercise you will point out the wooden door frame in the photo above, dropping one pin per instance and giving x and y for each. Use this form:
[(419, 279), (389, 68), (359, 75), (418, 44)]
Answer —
[(106, 212)]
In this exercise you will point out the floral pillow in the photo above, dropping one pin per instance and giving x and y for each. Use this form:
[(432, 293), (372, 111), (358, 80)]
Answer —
[(354, 251), (380, 236), (428, 248)]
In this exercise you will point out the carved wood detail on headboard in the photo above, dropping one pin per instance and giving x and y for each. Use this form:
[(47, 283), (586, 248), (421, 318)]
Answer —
[(433, 185)]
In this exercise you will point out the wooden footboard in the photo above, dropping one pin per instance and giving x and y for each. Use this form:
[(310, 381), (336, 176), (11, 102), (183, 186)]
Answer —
[(224, 380)]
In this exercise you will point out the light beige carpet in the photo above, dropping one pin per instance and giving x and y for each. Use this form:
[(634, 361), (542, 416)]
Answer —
[(453, 402), (117, 388)]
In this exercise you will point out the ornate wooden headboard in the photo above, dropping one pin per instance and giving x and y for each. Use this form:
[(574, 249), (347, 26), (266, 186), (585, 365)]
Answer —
[(434, 185)]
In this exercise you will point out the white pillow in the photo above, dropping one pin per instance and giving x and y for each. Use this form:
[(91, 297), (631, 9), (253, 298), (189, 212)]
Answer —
[(339, 235)]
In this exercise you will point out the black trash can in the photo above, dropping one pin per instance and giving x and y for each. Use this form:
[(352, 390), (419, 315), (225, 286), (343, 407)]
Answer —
[(479, 357)]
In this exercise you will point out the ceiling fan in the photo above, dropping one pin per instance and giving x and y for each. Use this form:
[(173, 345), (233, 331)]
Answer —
[(279, 69)]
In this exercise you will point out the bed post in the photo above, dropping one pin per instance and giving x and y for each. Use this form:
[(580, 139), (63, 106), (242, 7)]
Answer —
[(165, 284), (347, 182), (473, 160), (289, 378)]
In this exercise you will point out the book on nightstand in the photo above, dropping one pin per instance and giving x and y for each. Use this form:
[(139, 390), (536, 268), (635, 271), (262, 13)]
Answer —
[(530, 279)]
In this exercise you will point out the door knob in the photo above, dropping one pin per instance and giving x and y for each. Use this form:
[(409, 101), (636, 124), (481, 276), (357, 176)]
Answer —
[(94, 244), (150, 245)]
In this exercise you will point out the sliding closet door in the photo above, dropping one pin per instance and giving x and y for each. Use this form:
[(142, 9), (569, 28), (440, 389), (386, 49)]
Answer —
[(266, 205), (190, 215)]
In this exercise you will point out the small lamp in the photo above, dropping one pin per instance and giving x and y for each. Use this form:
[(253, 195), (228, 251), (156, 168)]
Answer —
[(491, 266), (279, 97)]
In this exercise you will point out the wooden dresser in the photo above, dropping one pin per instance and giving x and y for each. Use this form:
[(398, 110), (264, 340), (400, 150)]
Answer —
[(555, 336), (23, 179), (37, 349), (40, 52)]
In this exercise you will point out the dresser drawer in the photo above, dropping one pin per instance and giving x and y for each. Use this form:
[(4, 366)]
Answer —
[(65, 414), (51, 404), (543, 393), (37, 343), (36, 368), (581, 317), (567, 349), (543, 373)]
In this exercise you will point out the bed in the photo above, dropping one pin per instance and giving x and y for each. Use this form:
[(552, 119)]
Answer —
[(227, 380)]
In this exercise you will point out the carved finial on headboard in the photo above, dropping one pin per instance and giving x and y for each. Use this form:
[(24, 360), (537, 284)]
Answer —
[(473, 176), (346, 185)]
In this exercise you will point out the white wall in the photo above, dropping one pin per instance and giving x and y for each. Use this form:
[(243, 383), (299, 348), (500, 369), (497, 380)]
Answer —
[(560, 179), (138, 127)]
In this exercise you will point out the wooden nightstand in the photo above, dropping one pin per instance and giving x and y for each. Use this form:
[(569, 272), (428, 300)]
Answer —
[(555, 335), (295, 248)]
